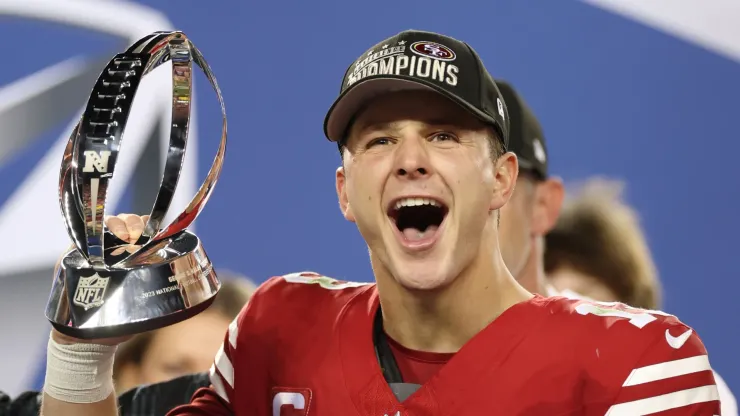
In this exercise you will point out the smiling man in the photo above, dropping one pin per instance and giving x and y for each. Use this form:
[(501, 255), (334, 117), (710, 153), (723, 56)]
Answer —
[(446, 329)]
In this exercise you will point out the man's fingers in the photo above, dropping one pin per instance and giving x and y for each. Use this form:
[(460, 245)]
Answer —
[(127, 227), (135, 226), (118, 227), (128, 247)]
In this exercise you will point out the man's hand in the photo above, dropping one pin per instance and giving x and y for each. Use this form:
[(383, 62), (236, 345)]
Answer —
[(127, 227)]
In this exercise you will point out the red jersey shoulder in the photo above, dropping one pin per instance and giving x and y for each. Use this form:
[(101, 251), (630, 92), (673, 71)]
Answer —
[(287, 317), (311, 287), (614, 325), (634, 357), (611, 318), (287, 301)]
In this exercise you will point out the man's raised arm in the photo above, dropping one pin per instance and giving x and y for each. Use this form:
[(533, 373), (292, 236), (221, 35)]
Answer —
[(79, 373)]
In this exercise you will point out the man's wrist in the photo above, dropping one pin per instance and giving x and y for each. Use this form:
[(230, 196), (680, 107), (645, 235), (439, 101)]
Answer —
[(78, 372)]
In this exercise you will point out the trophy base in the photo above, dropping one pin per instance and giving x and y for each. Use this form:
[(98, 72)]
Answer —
[(133, 327), (162, 285)]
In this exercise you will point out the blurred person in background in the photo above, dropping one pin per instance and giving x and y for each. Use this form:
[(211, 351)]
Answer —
[(599, 250), (535, 205), (184, 348)]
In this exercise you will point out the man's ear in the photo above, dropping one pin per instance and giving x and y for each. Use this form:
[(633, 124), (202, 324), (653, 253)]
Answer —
[(548, 201), (506, 171), (342, 195)]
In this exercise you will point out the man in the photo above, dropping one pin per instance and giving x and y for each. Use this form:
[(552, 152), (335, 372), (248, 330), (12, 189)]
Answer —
[(446, 329)]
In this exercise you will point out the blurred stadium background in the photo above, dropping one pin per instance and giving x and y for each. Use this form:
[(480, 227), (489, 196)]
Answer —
[(644, 91)]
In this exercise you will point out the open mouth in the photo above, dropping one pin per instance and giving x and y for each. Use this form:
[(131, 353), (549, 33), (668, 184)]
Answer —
[(417, 219)]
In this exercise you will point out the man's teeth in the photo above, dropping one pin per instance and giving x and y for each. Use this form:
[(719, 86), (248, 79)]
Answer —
[(412, 202)]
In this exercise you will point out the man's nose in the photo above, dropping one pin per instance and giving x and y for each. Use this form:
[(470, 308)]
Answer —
[(412, 159)]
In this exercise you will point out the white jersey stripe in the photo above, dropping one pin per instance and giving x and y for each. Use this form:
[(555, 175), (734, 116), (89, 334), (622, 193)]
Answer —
[(224, 366), (667, 369), (233, 332), (218, 385), (665, 402)]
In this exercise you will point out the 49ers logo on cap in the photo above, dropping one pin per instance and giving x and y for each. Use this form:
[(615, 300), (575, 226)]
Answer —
[(433, 50)]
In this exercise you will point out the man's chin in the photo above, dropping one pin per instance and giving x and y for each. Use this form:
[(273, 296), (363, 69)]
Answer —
[(424, 286), (423, 279), (426, 270)]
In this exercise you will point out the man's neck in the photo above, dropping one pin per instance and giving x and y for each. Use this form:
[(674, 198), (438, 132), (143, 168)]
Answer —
[(444, 320), (532, 274)]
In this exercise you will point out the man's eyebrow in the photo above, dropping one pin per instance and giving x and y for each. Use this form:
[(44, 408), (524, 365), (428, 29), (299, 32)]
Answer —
[(376, 125), (441, 122)]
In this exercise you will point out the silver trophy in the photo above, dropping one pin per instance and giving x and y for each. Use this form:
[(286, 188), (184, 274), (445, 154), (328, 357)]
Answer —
[(106, 287)]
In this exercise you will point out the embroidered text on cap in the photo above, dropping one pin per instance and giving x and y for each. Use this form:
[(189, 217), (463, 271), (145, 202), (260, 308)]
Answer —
[(434, 64)]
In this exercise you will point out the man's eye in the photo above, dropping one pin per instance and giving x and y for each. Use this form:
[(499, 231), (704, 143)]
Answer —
[(379, 141), (443, 137)]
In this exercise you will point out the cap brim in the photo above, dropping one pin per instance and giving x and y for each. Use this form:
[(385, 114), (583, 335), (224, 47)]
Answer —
[(346, 107), (525, 164)]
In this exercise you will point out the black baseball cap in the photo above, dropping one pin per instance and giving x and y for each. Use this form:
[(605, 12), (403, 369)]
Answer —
[(526, 139), (417, 60)]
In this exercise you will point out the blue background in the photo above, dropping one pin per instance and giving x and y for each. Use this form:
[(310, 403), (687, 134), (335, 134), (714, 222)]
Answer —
[(615, 98)]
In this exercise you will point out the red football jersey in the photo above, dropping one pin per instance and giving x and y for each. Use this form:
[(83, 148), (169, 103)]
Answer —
[(303, 346)]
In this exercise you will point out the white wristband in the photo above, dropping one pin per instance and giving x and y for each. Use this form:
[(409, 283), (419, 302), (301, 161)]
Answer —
[(79, 373)]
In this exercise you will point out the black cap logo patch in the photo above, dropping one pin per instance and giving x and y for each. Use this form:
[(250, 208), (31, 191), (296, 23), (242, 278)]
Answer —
[(433, 50)]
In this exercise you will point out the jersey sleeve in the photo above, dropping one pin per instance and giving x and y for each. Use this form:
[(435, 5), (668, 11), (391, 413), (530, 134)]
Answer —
[(672, 377), (219, 399)]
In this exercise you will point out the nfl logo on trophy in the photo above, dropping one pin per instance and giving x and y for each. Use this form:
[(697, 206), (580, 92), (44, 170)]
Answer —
[(105, 287), (90, 291)]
